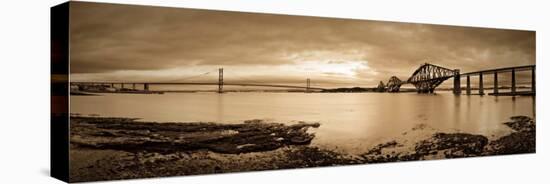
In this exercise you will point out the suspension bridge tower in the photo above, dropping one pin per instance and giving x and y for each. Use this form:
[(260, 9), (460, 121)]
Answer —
[(220, 80)]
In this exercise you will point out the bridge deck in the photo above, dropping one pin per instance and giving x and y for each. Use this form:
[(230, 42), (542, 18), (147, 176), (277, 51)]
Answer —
[(204, 83), (498, 70)]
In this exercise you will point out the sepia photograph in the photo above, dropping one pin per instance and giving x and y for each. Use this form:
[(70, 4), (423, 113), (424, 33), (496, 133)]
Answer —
[(160, 91)]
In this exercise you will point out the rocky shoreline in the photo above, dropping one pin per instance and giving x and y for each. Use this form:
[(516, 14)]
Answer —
[(128, 135), (122, 148)]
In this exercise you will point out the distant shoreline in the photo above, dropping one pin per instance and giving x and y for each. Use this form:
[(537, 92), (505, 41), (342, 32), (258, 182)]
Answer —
[(330, 90)]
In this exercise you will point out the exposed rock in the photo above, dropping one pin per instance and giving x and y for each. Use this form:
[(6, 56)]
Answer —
[(121, 148), (458, 145), (452, 144), (129, 135), (378, 148), (523, 140)]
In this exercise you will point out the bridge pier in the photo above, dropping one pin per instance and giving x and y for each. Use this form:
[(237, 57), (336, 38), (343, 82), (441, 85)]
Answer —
[(134, 86), (468, 89), (146, 87), (457, 90), (481, 84), (220, 80), (533, 78), (513, 81), (495, 86), (513, 88)]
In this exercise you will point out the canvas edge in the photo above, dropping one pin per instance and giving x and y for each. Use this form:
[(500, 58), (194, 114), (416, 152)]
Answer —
[(59, 92)]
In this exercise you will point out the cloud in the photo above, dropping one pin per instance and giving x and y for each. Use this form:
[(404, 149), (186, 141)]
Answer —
[(107, 39)]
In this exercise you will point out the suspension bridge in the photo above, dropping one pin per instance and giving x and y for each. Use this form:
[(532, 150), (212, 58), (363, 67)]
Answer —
[(220, 83), (425, 79)]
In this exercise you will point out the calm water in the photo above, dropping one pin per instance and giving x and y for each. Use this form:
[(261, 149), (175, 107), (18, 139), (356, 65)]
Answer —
[(351, 122)]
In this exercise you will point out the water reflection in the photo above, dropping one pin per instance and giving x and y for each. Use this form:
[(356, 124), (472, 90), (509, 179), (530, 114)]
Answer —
[(456, 113), (219, 106), (349, 121)]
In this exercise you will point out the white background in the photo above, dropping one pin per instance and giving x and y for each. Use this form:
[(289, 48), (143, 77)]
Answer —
[(24, 98)]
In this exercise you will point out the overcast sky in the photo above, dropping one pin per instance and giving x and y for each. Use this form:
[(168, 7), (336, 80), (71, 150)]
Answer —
[(140, 43)]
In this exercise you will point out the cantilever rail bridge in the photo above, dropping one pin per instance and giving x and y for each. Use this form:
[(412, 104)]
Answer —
[(425, 79), (428, 77)]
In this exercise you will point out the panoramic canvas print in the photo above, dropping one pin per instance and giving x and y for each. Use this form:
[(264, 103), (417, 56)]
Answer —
[(157, 91)]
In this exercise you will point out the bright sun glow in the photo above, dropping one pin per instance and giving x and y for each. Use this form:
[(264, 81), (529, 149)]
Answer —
[(348, 68), (348, 63), (340, 68)]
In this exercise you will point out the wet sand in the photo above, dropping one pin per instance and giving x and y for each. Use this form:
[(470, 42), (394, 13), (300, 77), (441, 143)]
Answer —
[(122, 148)]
